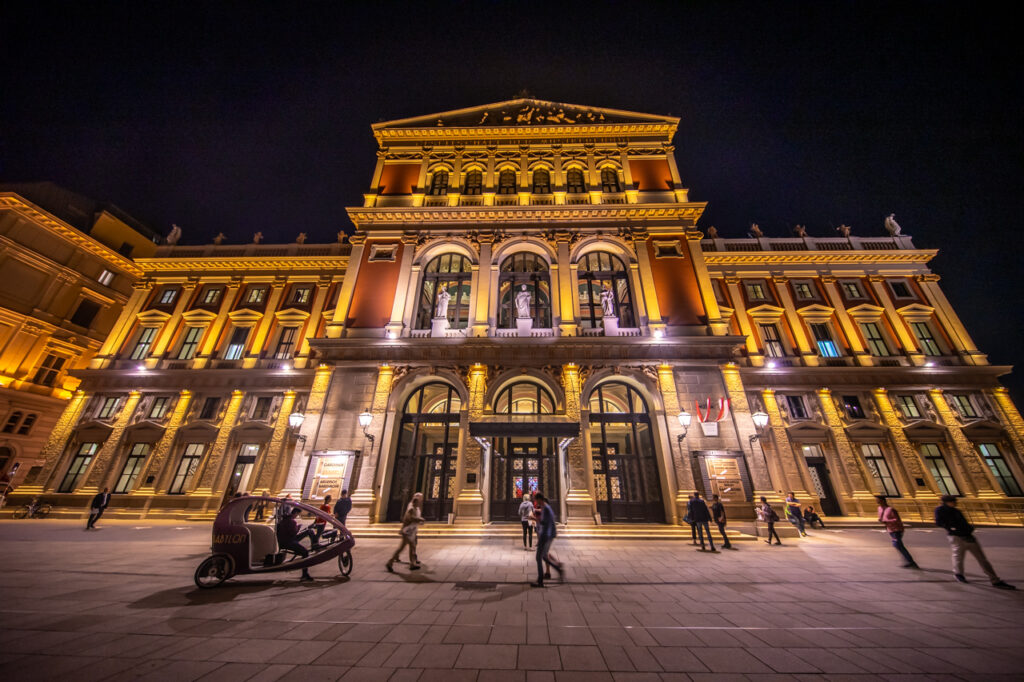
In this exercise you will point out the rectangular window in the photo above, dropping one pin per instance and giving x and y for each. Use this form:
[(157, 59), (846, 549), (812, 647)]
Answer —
[(797, 409), (853, 408), (256, 295), (187, 468), (261, 408), (879, 469), (286, 343), (773, 347), (190, 343), (211, 296), (142, 346), (803, 291), (79, 463), (993, 457), (381, 253), (907, 404), (756, 291), (132, 468), (236, 346), (48, 372), (159, 407), (167, 296), (851, 289), (211, 406), (900, 289), (26, 425), (109, 408), (823, 338), (105, 278), (937, 467), (301, 295), (925, 338), (812, 450), (964, 405), (876, 343), (85, 313)]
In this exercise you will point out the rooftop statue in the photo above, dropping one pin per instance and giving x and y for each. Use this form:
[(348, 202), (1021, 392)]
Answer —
[(257, 238), (174, 235), (301, 239), (843, 230), (219, 239), (800, 231), (755, 231), (891, 226)]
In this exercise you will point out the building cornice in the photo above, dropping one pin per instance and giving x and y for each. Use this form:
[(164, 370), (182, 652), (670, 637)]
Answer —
[(197, 380), (246, 263), (906, 378), (387, 136), (370, 217), (14, 202), (763, 258)]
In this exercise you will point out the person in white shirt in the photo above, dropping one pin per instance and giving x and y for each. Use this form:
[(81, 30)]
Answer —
[(527, 519)]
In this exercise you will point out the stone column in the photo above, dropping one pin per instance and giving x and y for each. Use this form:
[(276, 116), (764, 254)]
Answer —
[(364, 497), (336, 327), (976, 467), (849, 327), (319, 300), (262, 331), (208, 483), (685, 485), (212, 336), (718, 326), (753, 352), (154, 467), (643, 277), (908, 453), (796, 324), (963, 342), (856, 472), (482, 288), (290, 478), (119, 333), (579, 497), (278, 450), (1010, 417), (785, 476), (568, 303), (469, 502), (55, 444), (906, 339), (166, 335), (99, 470), (756, 461), (396, 325)]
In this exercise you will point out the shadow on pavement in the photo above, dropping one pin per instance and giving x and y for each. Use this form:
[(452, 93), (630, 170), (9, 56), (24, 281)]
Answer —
[(176, 597)]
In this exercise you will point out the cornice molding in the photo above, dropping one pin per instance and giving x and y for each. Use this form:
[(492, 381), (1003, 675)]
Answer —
[(830, 257), (514, 132), (248, 263), (366, 217)]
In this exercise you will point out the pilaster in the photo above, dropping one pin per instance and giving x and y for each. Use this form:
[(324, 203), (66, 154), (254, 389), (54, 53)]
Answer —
[(290, 477), (100, 468), (857, 474), (166, 335), (685, 485), (796, 324), (757, 463), (850, 329), (469, 502), (718, 326), (976, 468), (277, 452), (212, 336), (580, 507), (906, 339), (786, 475), (55, 443), (396, 325), (259, 340), (364, 497), (336, 327), (908, 453), (740, 306), (208, 483), (963, 342), (154, 467)]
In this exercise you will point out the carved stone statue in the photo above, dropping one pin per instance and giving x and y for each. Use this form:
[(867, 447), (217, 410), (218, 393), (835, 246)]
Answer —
[(522, 301), (257, 238), (800, 231), (219, 239), (843, 230), (608, 303), (301, 239), (713, 232), (174, 235), (755, 231), (341, 237), (891, 226), (441, 309)]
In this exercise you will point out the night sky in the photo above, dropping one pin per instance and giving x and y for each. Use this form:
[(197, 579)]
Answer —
[(251, 117)]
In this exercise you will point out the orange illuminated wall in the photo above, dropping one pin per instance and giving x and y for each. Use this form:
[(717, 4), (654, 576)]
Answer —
[(399, 178), (374, 293), (651, 174), (676, 285)]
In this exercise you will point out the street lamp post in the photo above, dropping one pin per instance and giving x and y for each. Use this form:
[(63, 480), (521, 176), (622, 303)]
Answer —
[(684, 418), (760, 422)]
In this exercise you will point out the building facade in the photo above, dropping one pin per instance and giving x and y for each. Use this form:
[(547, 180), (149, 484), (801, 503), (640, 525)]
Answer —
[(66, 276), (525, 302)]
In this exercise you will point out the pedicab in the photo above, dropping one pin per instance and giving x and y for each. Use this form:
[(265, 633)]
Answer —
[(244, 545)]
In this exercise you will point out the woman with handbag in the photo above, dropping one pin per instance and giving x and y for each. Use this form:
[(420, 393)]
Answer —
[(770, 517), (410, 525)]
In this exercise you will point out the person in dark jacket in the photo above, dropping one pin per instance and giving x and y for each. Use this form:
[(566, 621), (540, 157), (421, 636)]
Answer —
[(343, 507), (718, 514), (546, 532), (962, 541), (769, 517), (289, 537), (701, 520), (689, 519), (99, 503)]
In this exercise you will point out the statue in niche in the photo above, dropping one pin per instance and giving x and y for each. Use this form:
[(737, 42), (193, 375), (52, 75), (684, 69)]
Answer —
[(891, 226), (755, 231), (522, 301), (608, 303), (441, 309), (219, 239), (174, 235), (843, 230)]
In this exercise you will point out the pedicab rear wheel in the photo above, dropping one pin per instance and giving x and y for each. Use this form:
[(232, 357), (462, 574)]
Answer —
[(42, 511), (214, 570), (345, 562)]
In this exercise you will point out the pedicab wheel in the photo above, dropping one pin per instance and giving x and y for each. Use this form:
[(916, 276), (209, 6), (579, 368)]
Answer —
[(345, 562), (43, 511), (20, 512), (213, 571)]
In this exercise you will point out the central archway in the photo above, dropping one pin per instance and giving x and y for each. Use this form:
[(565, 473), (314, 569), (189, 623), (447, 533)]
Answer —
[(522, 464)]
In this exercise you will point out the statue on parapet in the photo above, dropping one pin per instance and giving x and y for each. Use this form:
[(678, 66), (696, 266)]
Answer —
[(755, 231), (174, 235), (843, 230), (441, 309), (712, 232), (257, 238), (800, 231), (219, 239), (891, 226), (301, 239)]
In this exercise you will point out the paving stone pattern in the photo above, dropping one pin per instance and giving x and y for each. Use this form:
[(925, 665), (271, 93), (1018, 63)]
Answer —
[(119, 604)]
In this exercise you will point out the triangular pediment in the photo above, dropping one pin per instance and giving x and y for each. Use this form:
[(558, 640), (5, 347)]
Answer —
[(924, 431), (866, 312), (765, 313), (866, 431), (916, 312), (816, 313), (526, 112), (807, 432), (984, 429)]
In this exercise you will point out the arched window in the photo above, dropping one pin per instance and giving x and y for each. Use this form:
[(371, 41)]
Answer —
[(427, 454), (522, 464), (541, 181), (610, 180), (507, 182), (524, 269), (599, 270), (13, 421), (451, 272), (474, 183), (574, 181), (524, 397), (626, 482), (439, 183)]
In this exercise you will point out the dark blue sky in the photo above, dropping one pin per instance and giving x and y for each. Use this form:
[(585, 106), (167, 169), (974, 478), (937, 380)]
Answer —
[(251, 117)]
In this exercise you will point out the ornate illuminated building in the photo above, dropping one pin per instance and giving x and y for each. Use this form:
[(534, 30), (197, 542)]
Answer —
[(526, 302)]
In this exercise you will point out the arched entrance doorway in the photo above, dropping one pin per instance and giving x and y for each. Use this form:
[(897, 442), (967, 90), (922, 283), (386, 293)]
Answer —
[(524, 463), (427, 453), (626, 483)]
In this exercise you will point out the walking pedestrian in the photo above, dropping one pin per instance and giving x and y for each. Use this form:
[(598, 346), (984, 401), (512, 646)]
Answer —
[(689, 519), (718, 514), (260, 510), (289, 537), (410, 526), (545, 536), (769, 517), (962, 540), (99, 503), (527, 519), (343, 507), (319, 523), (794, 513), (894, 526), (702, 520)]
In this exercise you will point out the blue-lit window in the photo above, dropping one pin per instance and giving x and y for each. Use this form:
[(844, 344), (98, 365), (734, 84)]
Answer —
[(823, 338)]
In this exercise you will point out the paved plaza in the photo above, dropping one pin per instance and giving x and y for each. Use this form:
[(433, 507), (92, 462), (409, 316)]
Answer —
[(119, 604)]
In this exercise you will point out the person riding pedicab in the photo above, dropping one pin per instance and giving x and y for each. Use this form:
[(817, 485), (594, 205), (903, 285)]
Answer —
[(289, 537)]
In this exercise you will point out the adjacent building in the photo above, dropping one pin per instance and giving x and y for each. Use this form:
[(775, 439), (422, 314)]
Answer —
[(526, 303)]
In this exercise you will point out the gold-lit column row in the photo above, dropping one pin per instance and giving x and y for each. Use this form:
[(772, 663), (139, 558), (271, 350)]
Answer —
[(208, 482), (908, 453), (99, 468), (968, 455), (786, 471), (364, 497), (155, 465), (579, 499), (56, 443)]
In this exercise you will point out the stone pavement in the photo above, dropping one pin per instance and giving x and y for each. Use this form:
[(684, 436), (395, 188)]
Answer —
[(119, 604)]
